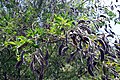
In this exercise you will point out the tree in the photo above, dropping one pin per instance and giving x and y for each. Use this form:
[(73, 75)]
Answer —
[(57, 39)]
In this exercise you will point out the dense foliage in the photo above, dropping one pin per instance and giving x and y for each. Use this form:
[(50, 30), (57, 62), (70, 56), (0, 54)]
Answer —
[(58, 40)]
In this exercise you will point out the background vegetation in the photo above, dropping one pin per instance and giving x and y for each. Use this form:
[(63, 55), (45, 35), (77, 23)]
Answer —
[(58, 40)]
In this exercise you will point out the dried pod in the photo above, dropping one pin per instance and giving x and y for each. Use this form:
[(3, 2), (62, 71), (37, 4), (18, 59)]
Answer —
[(86, 28), (85, 39), (117, 47), (109, 25), (73, 23), (112, 7), (71, 56), (90, 70), (103, 44), (110, 35), (37, 71), (32, 64), (46, 55), (94, 63), (80, 45), (103, 16), (18, 64), (106, 30), (64, 50), (102, 54), (112, 32), (60, 49), (110, 54), (81, 21), (88, 60)]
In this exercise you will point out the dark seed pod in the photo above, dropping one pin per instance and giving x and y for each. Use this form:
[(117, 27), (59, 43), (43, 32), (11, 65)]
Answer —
[(106, 30), (110, 54), (32, 64), (72, 9), (64, 50), (102, 54), (71, 56), (81, 21), (94, 63), (40, 51), (41, 76), (46, 55), (80, 45), (86, 39), (103, 78), (73, 23), (112, 32), (90, 70), (117, 47), (88, 61), (37, 71), (112, 7), (87, 29), (103, 44), (60, 49), (18, 64), (103, 16), (88, 22), (116, 0), (74, 41), (109, 25), (110, 35)]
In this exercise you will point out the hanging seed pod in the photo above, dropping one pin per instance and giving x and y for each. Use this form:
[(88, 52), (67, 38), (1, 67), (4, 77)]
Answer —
[(37, 71), (115, 73), (104, 78), (103, 16), (90, 70), (103, 44), (32, 64), (85, 39), (73, 23), (109, 25), (95, 63), (112, 32), (112, 7), (80, 44), (72, 56), (46, 55), (110, 35), (106, 30), (112, 55), (60, 49), (18, 64), (41, 76), (117, 47), (64, 50), (88, 30), (81, 21), (40, 51), (88, 60), (102, 54)]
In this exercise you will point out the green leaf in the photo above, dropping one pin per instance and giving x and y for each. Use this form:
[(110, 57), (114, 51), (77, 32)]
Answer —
[(118, 22)]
